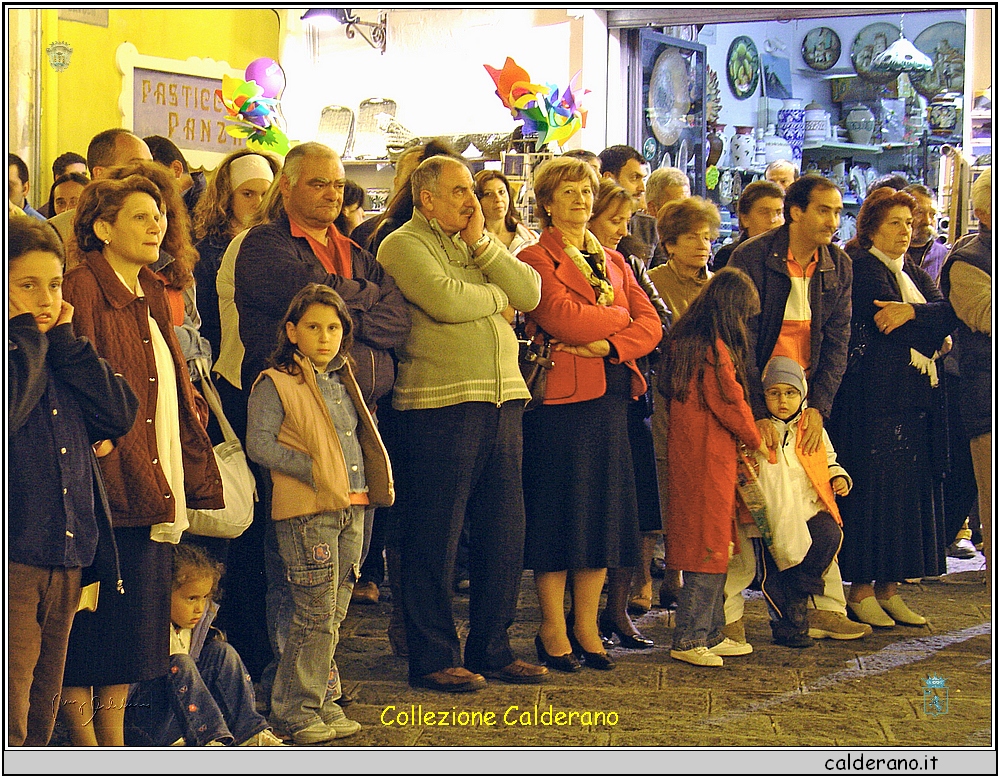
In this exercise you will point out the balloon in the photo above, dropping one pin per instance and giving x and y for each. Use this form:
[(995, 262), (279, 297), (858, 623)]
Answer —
[(267, 74)]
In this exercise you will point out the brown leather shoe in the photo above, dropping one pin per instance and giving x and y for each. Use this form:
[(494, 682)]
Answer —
[(451, 679), (518, 671)]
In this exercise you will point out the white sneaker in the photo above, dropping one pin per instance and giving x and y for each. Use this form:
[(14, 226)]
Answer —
[(731, 648), (264, 738), (699, 655), (322, 732)]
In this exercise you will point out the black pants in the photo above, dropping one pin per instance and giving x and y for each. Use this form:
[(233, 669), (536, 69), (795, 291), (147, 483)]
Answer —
[(458, 463), (784, 587)]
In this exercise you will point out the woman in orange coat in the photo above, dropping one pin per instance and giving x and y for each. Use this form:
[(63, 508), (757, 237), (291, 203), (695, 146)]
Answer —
[(579, 486), (705, 381)]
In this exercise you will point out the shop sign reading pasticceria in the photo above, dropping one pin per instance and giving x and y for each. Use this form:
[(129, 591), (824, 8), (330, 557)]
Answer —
[(183, 108)]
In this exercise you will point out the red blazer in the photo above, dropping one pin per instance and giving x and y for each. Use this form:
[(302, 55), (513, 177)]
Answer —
[(569, 312), (701, 450)]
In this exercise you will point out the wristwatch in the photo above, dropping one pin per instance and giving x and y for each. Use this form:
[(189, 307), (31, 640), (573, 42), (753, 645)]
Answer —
[(480, 243)]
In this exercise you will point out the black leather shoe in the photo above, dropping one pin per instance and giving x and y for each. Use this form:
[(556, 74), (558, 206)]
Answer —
[(567, 663), (625, 640), (606, 640), (598, 661), (344, 700)]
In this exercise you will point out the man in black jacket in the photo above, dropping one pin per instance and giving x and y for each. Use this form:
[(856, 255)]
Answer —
[(804, 282), (300, 244)]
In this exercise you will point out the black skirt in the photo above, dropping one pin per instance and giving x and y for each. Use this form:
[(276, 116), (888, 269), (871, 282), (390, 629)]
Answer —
[(890, 521), (127, 639), (579, 484)]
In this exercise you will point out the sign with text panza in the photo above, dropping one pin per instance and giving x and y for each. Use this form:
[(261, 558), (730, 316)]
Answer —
[(184, 108)]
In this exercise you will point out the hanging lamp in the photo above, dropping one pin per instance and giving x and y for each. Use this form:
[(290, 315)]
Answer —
[(901, 57)]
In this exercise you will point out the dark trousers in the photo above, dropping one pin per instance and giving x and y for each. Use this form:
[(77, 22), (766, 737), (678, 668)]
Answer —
[(41, 602), (458, 463), (783, 588)]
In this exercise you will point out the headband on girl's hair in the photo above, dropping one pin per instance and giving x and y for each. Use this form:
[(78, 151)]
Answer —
[(247, 167)]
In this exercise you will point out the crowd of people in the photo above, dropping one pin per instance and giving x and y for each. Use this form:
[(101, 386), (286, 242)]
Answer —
[(781, 410)]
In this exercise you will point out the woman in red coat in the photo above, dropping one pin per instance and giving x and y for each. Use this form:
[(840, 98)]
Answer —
[(579, 486), (704, 379)]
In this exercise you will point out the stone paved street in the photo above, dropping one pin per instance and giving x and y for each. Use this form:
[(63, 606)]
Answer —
[(860, 694), (865, 692)]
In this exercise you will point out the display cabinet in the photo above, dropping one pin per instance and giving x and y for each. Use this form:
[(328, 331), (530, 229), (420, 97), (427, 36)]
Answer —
[(666, 119)]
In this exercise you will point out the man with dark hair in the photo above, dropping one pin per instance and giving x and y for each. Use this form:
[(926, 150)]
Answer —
[(191, 185), (18, 186), (800, 261), (67, 162), (107, 149), (804, 281), (626, 167), (586, 156), (460, 398)]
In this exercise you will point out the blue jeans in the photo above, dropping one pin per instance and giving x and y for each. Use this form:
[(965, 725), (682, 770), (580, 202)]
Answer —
[(208, 699), (700, 615), (321, 553), (280, 604)]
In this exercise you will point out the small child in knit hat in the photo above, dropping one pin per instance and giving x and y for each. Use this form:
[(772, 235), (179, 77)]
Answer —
[(799, 490)]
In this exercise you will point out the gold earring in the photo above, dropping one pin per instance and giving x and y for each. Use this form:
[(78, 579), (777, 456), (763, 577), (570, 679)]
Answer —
[(107, 241)]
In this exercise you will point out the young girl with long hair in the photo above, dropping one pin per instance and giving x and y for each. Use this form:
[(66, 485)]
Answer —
[(308, 423), (704, 379)]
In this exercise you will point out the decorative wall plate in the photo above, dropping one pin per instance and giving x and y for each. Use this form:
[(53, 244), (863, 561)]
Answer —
[(868, 44), (742, 67), (669, 100), (944, 43), (821, 48)]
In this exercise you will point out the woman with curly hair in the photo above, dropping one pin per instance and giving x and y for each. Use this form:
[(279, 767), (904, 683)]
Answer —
[(156, 471), (882, 416), (231, 198)]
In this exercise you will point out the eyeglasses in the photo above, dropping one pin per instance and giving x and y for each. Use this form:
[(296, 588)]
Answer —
[(778, 394)]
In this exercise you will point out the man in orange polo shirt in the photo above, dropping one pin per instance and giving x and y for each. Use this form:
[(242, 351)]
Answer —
[(804, 282)]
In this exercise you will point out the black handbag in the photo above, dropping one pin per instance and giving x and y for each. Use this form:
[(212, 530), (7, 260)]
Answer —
[(534, 359)]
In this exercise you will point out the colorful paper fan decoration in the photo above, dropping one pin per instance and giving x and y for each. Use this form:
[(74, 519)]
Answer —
[(252, 115), (543, 110)]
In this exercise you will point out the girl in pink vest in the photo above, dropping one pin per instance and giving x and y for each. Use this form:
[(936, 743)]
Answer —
[(308, 424)]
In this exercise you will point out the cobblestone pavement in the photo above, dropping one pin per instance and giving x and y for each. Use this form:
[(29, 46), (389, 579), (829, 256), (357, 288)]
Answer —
[(867, 692)]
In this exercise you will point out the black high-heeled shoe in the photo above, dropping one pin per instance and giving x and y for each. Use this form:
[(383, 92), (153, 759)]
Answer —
[(636, 642), (598, 661), (567, 663), (606, 640)]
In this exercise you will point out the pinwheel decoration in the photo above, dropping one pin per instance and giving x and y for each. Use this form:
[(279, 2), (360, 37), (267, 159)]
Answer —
[(252, 115), (542, 109)]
